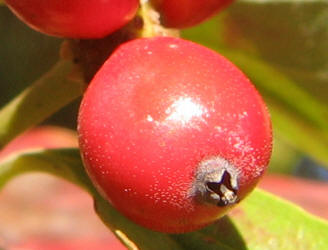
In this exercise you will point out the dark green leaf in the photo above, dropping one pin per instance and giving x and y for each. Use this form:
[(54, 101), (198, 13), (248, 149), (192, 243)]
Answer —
[(292, 35)]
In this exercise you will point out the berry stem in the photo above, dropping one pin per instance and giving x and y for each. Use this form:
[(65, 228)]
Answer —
[(90, 54), (151, 22)]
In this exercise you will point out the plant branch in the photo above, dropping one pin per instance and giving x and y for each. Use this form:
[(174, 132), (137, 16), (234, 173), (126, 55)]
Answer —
[(52, 91)]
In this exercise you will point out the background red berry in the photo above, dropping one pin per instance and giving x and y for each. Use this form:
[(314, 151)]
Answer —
[(43, 137), (172, 133), (186, 13), (75, 18)]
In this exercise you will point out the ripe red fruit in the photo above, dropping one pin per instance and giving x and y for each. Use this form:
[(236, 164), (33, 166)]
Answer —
[(75, 18), (44, 137), (187, 13), (172, 133)]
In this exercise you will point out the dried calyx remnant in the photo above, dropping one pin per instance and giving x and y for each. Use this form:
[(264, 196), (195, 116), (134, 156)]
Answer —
[(216, 182)]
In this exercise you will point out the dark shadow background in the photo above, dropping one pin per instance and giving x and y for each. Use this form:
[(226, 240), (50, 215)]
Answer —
[(25, 55)]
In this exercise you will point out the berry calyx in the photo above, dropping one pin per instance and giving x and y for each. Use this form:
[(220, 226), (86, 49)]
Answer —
[(75, 18), (173, 134), (187, 13), (216, 182)]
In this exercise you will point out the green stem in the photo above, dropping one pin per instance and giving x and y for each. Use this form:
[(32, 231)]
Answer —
[(52, 91)]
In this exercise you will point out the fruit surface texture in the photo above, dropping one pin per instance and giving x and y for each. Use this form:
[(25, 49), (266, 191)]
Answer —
[(173, 134), (75, 18), (187, 13)]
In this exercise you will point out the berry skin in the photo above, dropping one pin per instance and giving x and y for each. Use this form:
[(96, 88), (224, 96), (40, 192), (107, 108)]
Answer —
[(187, 13), (173, 134), (74, 18)]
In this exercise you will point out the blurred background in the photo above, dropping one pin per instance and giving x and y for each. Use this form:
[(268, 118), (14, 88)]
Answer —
[(38, 211)]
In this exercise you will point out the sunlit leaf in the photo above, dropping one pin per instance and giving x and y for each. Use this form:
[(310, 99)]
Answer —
[(267, 222)]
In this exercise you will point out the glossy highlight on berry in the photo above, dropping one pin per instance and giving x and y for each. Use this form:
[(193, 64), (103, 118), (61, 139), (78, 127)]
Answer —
[(173, 134)]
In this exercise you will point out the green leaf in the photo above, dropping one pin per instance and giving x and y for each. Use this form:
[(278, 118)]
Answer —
[(262, 221), (292, 35), (52, 91), (223, 235), (297, 116), (267, 222)]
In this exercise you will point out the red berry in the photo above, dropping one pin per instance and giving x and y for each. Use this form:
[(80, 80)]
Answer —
[(172, 133), (75, 18), (45, 137), (187, 13)]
